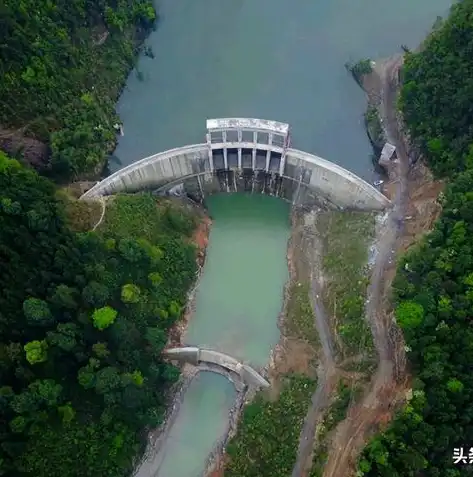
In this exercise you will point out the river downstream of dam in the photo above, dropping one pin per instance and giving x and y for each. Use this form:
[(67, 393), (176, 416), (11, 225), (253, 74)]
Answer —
[(246, 271), (269, 59)]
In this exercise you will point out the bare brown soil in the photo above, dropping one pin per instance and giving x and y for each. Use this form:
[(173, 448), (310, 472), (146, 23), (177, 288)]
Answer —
[(423, 208), (201, 239)]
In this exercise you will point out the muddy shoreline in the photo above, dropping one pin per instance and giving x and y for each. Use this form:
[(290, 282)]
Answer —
[(200, 239)]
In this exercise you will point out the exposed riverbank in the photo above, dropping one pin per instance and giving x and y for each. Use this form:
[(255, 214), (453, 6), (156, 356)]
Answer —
[(419, 189)]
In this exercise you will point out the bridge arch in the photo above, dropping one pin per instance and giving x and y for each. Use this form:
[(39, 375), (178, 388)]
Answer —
[(196, 356), (244, 154)]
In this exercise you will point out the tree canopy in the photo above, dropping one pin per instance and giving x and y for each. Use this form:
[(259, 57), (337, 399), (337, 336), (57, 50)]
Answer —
[(83, 321), (437, 93), (63, 64)]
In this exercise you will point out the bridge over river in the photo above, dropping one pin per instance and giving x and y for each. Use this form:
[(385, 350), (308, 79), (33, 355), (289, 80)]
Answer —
[(245, 154)]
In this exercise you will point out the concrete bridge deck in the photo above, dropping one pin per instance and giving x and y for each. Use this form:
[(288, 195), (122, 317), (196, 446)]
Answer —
[(245, 154), (195, 356)]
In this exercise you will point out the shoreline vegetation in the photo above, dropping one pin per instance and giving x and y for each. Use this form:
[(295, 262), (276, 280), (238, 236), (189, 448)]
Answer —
[(58, 95)]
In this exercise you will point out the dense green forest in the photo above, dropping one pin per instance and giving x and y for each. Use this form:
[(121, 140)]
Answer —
[(83, 320), (62, 66), (434, 284)]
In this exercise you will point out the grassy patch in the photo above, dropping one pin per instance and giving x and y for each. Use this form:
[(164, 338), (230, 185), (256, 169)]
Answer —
[(336, 413), (373, 124), (299, 321), (268, 434), (347, 239), (146, 216), (80, 215)]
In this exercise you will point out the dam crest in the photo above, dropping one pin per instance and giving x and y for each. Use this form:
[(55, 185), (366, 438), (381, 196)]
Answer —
[(244, 155)]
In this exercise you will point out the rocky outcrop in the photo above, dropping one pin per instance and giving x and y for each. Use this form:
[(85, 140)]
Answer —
[(33, 152)]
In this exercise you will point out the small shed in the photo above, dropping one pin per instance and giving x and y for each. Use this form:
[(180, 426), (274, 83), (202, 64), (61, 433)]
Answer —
[(388, 155)]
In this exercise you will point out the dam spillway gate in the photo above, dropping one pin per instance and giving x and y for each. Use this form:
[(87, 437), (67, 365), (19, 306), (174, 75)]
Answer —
[(245, 154)]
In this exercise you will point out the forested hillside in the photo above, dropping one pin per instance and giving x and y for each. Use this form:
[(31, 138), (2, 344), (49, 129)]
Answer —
[(434, 283), (83, 320), (62, 66)]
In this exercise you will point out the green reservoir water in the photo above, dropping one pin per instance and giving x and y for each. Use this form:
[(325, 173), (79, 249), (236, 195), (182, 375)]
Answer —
[(202, 417), (240, 293), (270, 59)]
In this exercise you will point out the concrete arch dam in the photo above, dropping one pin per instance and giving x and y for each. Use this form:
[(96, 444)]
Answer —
[(243, 154), (196, 356)]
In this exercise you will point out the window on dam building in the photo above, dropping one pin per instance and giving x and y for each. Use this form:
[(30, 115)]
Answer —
[(232, 135), (247, 136), (263, 138), (232, 158), (274, 162), (247, 158), (278, 140), (216, 136)]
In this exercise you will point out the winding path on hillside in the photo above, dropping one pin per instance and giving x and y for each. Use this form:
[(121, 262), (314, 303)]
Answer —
[(103, 203)]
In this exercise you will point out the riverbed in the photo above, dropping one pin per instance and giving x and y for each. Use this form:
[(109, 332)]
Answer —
[(270, 59)]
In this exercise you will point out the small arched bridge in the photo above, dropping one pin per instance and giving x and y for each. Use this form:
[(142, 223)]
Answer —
[(243, 154), (196, 356)]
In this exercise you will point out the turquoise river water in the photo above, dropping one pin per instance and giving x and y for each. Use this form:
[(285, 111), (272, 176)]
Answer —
[(271, 59)]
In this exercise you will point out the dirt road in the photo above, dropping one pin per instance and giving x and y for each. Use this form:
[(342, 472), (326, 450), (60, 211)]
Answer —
[(351, 434)]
